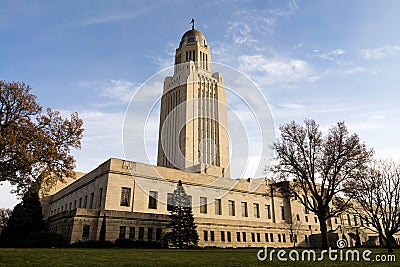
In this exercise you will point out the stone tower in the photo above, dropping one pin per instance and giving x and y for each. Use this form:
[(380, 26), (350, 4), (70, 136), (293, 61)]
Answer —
[(193, 131)]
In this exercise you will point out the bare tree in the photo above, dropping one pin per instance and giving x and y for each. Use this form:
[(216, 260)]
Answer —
[(294, 227), (319, 166), (377, 199), (5, 214)]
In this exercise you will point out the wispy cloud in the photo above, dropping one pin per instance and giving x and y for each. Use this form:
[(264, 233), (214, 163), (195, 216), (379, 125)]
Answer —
[(336, 56), (380, 52), (120, 90)]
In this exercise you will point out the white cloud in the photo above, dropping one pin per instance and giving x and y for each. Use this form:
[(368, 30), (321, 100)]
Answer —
[(381, 52), (334, 55), (276, 70)]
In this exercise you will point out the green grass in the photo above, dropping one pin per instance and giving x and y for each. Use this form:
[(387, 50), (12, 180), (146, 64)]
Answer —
[(158, 257)]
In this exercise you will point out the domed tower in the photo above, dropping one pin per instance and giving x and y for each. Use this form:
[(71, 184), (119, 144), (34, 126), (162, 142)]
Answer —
[(193, 131)]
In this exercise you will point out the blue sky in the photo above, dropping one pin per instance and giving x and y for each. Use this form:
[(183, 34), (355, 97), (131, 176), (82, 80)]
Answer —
[(327, 60)]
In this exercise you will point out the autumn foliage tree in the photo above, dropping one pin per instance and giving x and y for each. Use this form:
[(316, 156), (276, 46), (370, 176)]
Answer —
[(318, 166), (34, 146)]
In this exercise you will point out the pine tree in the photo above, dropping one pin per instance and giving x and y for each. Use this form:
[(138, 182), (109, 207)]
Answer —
[(183, 232)]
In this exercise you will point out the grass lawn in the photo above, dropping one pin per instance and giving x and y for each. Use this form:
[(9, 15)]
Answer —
[(161, 257)]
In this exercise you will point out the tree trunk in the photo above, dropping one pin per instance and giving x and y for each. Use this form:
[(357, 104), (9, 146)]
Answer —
[(389, 245), (324, 231)]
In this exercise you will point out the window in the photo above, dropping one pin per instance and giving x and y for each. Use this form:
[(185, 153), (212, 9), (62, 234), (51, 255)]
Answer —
[(170, 201), (70, 205), (283, 212), (122, 230), (315, 219), (348, 219), (228, 236), (158, 234), (218, 209), (306, 217), (268, 208), (203, 205), (271, 237), (125, 196), (290, 238), (231, 205), (91, 200), (284, 238), (80, 202), (205, 234), (150, 233), (253, 237), (85, 231), (244, 236), (153, 199), (256, 208), (238, 236), (258, 237), (361, 221), (85, 202), (75, 204), (131, 232), (336, 221), (141, 233), (266, 237), (244, 209), (100, 196), (222, 236), (212, 236), (298, 217), (355, 220), (279, 238)]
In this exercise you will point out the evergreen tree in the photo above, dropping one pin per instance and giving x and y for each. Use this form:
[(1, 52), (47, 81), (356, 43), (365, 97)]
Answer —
[(183, 232), (26, 217)]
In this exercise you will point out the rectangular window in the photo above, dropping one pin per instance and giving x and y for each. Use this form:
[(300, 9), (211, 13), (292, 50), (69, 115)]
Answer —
[(100, 196), (222, 236), (268, 208), (218, 208), (80, 203), (203, 205), (279, 238), (158, 234), (256, 208), (205, 234), (348, 219), (306, 217), (290, 238), (244, 236), (238, 236), (355, 220), (258, 237), (170, 201), (298, 217), (125, 196), (283, 212), (253, 237), (141, 233), (271, 237), (131, 232), (91, 200), (315, 220), (244, 209), (284, 238), (266, 237), (75, 204), (85, 202), (231, 205), (212, 236), (153, 195), (122, 230), (70, 205), (150, 233), (336, 221), (85, 231), (228, 236)]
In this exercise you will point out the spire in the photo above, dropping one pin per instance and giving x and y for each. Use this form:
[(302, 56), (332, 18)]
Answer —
[(192, 22)]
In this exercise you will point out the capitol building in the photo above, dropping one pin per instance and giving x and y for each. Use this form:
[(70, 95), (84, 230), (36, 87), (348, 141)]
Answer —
[(132, 200)]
